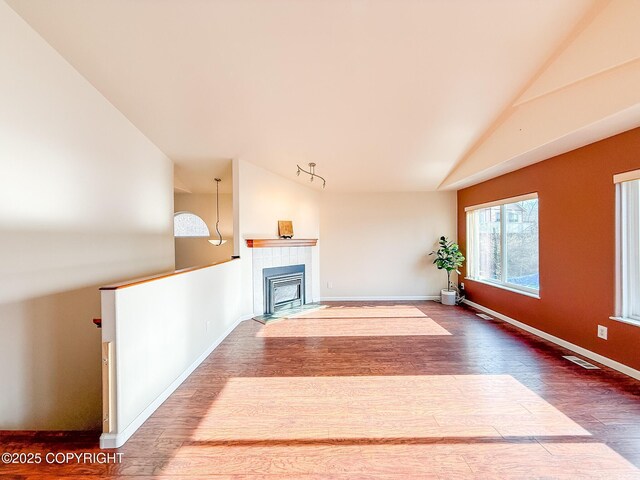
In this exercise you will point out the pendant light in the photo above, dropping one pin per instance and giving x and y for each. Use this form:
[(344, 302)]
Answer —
[(219, 241)]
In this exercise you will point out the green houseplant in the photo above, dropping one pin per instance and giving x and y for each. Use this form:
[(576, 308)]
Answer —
[(448, 258)]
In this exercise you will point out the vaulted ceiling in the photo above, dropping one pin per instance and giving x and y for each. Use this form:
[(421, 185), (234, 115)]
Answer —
[(383, 95)]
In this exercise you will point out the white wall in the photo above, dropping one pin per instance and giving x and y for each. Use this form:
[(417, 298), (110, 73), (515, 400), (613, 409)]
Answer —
[(160, 331), (86, 199), (192, 252), (376, 245), (263, 199)]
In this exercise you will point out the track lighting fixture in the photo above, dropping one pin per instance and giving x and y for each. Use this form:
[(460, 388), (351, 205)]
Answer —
[(312, 173)]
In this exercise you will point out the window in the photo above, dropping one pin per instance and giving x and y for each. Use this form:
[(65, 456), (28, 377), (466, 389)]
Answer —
[(502, 243), (187, 224), (628, 239)]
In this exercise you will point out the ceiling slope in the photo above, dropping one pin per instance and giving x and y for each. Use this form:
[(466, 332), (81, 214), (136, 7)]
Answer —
[(588, 92), (382, 95)]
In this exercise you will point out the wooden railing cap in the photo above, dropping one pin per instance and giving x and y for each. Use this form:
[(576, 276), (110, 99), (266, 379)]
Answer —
[(151, 278)]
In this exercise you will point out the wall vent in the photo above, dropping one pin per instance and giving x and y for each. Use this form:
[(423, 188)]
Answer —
[(581, 362)]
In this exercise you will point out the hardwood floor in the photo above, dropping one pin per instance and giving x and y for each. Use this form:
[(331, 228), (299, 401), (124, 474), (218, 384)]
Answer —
[(417, 390)]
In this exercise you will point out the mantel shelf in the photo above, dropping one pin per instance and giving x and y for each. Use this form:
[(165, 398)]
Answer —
[(281, 242)]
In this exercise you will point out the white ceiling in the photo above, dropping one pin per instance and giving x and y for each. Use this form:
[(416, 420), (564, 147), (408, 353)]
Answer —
[(384, 95)]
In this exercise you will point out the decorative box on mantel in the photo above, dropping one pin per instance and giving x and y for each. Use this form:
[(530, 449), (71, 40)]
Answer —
[(280, 252)]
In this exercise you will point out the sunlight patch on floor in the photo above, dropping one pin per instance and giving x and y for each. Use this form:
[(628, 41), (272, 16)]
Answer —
[(351, 327), (379, 407), (431, 460)]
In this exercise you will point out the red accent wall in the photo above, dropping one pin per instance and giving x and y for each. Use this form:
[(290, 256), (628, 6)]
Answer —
[(576, 198)]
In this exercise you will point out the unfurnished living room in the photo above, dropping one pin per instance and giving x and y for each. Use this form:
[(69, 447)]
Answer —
[(320, 239)]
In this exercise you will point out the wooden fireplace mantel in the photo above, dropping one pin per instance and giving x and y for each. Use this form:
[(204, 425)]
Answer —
[(281, 242)]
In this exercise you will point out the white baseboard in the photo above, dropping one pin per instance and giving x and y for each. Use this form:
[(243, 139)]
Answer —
[(620, 367), (116, 440), (380, 298)]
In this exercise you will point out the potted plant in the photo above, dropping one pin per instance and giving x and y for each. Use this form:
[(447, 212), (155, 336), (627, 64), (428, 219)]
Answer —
[(449, 258)]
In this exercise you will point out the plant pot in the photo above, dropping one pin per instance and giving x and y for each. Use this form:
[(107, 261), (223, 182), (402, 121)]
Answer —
[(448, 297)]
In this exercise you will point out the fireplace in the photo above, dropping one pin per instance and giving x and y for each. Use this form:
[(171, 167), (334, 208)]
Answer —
[(284, 288), (277, 256)]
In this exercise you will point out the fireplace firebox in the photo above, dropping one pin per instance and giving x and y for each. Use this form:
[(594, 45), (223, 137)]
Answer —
[(284, 288)]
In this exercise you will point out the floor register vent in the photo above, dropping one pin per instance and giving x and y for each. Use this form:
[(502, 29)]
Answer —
[(581, 362)]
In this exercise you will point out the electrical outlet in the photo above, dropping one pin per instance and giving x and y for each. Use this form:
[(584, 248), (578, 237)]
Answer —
[(602, 332), (329, 284), (462, 285)]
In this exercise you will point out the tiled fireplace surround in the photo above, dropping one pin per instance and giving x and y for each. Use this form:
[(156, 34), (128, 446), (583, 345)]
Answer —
[(280, 257)]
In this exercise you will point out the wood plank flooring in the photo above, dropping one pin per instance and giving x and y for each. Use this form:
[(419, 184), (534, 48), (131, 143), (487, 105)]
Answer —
[(375, 397)]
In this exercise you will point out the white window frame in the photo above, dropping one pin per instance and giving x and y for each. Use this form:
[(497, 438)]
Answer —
[(471, 243), (627, 233)]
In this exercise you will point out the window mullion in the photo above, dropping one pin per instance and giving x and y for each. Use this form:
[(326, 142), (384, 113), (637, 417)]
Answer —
[(634, 253), (470, 244), (503, 243), (627, 245), (620, 254)]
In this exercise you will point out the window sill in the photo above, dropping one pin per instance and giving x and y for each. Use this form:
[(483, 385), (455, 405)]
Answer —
[(628, 321), (504, 287)]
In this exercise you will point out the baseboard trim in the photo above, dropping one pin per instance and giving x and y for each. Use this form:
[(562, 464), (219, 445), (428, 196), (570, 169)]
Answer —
[(380, 298), (116, 440), (620, 367)]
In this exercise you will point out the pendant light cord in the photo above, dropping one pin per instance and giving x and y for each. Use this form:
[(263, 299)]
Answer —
[(218, 210)]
